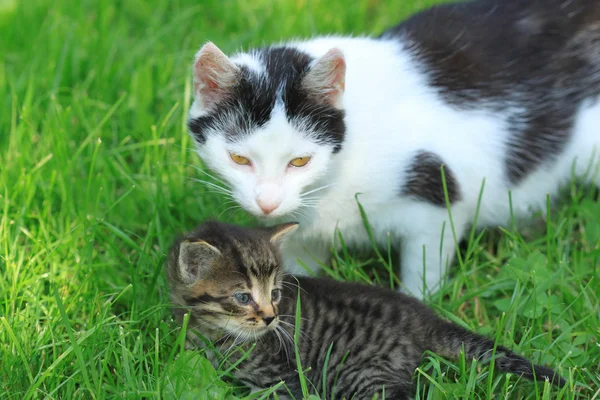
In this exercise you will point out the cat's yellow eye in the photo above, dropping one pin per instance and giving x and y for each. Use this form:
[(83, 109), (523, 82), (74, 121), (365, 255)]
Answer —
[(300, 161), (241, 160)]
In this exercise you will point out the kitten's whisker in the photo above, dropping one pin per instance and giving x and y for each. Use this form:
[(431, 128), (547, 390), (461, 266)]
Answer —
[(290, 285), (292, 316), (284, 337), (224, 339), (235, 342), (292, 326), (279, 339), (290, 339)]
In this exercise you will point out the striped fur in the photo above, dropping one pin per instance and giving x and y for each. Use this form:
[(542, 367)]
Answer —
[(377, 336)]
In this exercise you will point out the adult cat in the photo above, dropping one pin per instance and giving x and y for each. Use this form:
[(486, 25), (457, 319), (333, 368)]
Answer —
[(498, 91)]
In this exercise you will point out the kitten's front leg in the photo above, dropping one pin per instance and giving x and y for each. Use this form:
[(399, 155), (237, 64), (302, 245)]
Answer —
[(299, 256), (429, 251)]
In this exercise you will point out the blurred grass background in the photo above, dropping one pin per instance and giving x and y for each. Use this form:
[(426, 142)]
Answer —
[(95, 168)]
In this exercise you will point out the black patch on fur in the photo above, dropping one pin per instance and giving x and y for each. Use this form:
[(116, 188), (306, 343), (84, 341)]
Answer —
[(253, 98), (535, 61), (424, 180)]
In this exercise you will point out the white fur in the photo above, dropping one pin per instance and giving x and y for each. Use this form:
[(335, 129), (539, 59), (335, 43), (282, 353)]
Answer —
[(390, 115)]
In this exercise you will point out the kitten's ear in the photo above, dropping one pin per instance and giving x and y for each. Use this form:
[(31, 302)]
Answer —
[(326, 78), (214, 75), (280, 232), (195, 257)]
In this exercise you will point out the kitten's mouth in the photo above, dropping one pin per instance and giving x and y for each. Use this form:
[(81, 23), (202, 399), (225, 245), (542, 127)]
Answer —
[(265, 329)]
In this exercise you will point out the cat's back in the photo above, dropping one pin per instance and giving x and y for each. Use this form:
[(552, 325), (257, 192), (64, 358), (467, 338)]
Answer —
[(490, 48)]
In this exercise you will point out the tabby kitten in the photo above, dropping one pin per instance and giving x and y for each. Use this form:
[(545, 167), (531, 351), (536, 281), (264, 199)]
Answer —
[(231, 281)]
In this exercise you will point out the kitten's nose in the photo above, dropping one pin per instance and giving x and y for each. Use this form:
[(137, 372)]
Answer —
[(268, 320)]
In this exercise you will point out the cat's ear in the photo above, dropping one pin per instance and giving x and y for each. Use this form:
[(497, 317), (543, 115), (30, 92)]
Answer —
[(280, 232), (326, 78), (214, 75), (195, 258)]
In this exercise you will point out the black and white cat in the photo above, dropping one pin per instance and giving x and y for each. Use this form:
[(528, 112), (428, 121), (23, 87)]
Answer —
[(501, 91)]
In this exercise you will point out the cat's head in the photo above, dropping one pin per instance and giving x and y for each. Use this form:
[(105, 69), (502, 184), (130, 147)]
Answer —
[(268, 122), (229, 277)]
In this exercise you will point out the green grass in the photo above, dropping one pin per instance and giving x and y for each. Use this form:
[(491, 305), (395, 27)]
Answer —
[(95, 169)]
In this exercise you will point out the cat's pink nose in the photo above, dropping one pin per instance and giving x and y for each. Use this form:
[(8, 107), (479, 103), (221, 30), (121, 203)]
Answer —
[(267, 206)]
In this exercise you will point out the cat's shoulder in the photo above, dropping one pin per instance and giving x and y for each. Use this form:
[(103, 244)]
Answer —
[(488, 49)]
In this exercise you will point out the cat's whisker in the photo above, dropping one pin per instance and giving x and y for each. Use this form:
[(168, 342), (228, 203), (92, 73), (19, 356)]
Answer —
[(203, 181), (213, 185), (310, 202), (299, 213), (235, 212), (316, 190), (234, 207), (312, 198), (309, 205), (206, 173), (227, 203)]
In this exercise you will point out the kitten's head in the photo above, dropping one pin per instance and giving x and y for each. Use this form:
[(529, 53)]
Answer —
[(229, 277), (268, 122)]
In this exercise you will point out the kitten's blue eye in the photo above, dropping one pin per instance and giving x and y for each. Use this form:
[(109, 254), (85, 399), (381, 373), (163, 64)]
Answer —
[(275, 295), (243, 298)]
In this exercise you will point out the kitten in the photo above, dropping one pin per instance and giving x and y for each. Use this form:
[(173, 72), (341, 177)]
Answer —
[(492, 90), (232, 282)]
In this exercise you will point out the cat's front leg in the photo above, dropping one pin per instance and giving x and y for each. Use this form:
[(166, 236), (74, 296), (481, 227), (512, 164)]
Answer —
[(427, 250), (301, 258)]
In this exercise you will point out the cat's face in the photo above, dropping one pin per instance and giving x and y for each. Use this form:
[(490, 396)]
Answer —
[(269, 123), (230, 278), (238, 303), (269, 170)]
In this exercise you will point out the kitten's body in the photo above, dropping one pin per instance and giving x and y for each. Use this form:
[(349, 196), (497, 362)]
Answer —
[(373, 338), (498, 91)]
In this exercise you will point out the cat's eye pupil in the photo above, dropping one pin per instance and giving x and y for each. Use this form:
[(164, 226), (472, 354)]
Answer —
[(300, 161), (241, 160), (243, 298)]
